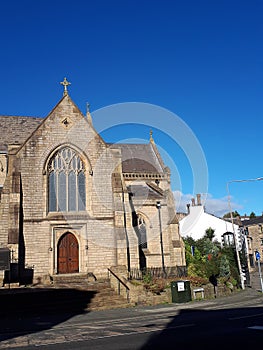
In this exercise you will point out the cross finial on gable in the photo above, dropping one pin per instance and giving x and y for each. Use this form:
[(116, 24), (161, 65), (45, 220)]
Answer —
[(65, 83), (88, 106), (151, 136), (88, 114)]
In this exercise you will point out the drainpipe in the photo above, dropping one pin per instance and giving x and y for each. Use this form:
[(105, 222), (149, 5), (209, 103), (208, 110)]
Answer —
[(126, 233)]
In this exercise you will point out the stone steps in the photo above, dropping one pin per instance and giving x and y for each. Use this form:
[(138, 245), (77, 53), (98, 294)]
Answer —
[(103, 297), (107, 299)]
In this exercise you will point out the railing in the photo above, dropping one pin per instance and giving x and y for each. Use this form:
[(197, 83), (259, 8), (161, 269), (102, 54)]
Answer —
[(119, 284), (157, 272)]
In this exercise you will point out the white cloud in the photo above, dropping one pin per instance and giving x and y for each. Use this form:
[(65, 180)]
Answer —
[(215, 206)]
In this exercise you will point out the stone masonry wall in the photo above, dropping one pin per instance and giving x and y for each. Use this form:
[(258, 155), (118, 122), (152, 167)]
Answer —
[(66, 126)]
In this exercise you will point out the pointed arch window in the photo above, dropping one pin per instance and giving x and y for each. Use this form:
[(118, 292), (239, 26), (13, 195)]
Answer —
[(142, 231), (67, 181)]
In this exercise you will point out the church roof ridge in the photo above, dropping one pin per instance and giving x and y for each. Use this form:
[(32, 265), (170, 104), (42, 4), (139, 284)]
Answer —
[(19, 116)]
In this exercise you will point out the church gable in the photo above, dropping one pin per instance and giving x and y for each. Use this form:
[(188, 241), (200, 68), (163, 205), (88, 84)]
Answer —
[(66, 146), (65, 123)]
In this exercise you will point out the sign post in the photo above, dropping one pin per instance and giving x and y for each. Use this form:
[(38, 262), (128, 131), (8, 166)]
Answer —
[(5, 261), (257, 254)]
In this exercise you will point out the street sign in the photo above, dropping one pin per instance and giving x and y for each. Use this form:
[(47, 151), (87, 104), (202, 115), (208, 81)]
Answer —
[(4, 259), (257, 255)]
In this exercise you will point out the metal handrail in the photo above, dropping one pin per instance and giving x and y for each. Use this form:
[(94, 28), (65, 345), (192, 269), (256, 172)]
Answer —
[(119, 283)]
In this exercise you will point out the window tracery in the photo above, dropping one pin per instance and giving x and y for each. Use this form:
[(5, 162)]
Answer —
[(67, 188)]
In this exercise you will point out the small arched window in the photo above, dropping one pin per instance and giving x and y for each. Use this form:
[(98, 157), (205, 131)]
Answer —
[(142, 231), (66, 179)]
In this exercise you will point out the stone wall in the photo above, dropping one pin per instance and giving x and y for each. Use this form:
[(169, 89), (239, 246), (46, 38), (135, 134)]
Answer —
[(139, 295)]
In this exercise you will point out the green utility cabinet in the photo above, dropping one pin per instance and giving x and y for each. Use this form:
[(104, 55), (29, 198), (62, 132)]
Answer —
[(181, 291)]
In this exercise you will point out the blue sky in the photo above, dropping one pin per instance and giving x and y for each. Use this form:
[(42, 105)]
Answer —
[(202, 61)]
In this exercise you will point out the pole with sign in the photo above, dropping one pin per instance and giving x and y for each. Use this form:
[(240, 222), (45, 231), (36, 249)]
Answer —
[(5, 262), (257, 254)]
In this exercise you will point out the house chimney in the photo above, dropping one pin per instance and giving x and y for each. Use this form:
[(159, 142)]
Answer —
[(198, 196)]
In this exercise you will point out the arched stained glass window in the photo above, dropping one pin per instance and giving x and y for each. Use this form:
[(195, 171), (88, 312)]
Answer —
[(67, 185), (142, 231)]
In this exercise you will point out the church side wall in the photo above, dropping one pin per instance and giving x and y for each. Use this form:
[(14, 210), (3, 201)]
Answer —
[(173, 246)]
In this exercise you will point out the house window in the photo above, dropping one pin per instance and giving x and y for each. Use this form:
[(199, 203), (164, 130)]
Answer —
[(67, 188), (142, 231)]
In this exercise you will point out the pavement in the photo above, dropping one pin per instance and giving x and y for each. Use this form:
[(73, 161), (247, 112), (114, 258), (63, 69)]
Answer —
[(39, 301)]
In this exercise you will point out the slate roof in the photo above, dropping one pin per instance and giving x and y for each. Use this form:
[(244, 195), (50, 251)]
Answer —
[(144, 192), (254, 221), (15, 129), (139, 158)]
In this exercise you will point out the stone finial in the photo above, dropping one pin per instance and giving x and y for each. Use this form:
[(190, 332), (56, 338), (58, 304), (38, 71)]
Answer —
[(65, 83), (88, 107), (88, 115), (151, 136)]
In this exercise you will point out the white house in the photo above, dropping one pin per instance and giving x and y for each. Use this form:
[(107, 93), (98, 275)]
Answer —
[(197, 221)]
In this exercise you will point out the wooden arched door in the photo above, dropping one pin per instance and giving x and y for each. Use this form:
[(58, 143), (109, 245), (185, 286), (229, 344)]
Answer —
[(68, 254)]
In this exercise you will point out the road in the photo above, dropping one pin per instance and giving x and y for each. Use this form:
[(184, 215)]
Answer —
[(236, 320)]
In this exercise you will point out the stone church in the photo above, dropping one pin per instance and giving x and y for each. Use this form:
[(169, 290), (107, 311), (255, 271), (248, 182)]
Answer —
[(70, 203)]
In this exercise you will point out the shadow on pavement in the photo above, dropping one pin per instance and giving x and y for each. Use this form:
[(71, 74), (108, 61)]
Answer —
[(203, 329), (25, 311)]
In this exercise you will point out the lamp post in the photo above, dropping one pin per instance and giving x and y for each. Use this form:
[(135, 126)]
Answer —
[(232, 221), (158, 206)]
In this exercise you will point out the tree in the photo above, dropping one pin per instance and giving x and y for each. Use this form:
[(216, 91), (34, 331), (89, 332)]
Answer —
[(190, 246), (210, 258), (230, 254), (252, 215), (225, 270), (188, 254), (228, 215), (210, 233)]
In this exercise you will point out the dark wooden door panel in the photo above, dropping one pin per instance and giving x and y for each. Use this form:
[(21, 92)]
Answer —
[(68, 254)]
